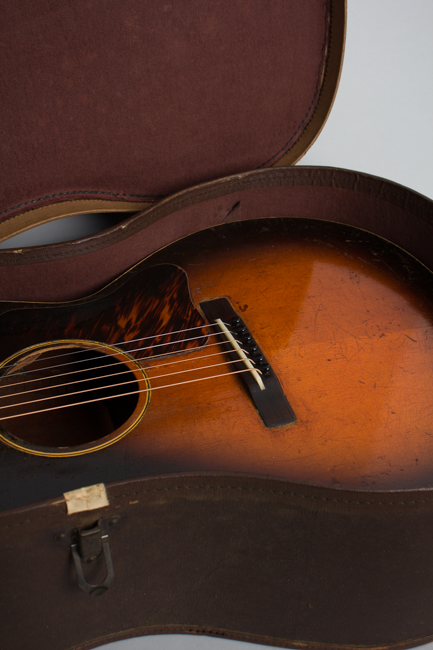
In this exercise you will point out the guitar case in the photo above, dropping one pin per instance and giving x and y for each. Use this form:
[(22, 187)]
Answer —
[(189, 115)]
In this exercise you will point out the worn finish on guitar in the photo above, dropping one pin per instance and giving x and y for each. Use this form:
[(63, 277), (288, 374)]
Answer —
[(345, 320)]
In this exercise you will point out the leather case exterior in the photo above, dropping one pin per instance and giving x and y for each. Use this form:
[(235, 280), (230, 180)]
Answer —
[(233, 557)]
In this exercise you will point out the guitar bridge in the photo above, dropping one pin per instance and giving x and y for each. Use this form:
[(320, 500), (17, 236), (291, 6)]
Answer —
[(261, 382)]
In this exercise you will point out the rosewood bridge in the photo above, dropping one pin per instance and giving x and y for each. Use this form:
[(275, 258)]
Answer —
[(266, 394)]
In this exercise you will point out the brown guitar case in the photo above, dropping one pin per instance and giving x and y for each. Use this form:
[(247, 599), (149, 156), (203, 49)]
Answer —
[(112, 106)]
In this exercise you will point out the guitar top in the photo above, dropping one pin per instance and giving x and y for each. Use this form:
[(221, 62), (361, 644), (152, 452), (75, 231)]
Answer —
[(281, 347)]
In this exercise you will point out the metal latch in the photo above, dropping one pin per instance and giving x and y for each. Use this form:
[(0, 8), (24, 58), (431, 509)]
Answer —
[(89, 546)]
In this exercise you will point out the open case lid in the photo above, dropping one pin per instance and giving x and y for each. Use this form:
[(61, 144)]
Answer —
[(109, 106)]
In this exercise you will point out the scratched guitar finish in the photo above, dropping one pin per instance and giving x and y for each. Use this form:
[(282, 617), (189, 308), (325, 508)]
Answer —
[(343, 318)]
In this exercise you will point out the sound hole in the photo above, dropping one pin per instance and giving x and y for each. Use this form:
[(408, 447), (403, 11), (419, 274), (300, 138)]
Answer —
[(99, 385)]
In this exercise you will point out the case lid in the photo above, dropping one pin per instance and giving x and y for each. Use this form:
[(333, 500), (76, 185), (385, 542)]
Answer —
[(110, 106)]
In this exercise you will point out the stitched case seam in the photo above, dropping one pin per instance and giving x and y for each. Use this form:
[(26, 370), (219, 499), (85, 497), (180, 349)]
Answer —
[(243, 184), (237, 487)]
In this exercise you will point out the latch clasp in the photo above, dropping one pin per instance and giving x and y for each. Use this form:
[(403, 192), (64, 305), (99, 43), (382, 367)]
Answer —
[(90, 545)]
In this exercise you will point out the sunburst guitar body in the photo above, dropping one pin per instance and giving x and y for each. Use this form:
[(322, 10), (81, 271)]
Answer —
[(279, 347)]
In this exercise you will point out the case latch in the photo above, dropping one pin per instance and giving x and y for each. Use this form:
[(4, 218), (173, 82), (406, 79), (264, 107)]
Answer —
[(92, 545)]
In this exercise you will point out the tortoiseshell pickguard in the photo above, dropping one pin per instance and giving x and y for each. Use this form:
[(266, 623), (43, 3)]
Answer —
[(145, 302)]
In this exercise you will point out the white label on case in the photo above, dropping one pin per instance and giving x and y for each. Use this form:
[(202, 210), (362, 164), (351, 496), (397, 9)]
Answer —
[(86, 498)]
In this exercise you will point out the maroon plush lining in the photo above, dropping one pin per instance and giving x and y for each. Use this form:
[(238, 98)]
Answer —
[(140, 100)]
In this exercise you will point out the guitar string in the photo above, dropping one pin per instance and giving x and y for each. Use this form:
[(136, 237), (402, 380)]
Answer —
[(123, 383), (143, 390), (144, 359), (143, 349), (102, 347), (105, 376)]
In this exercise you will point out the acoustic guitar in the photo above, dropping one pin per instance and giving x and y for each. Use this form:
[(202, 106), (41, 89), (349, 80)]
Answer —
[(282, 347)]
